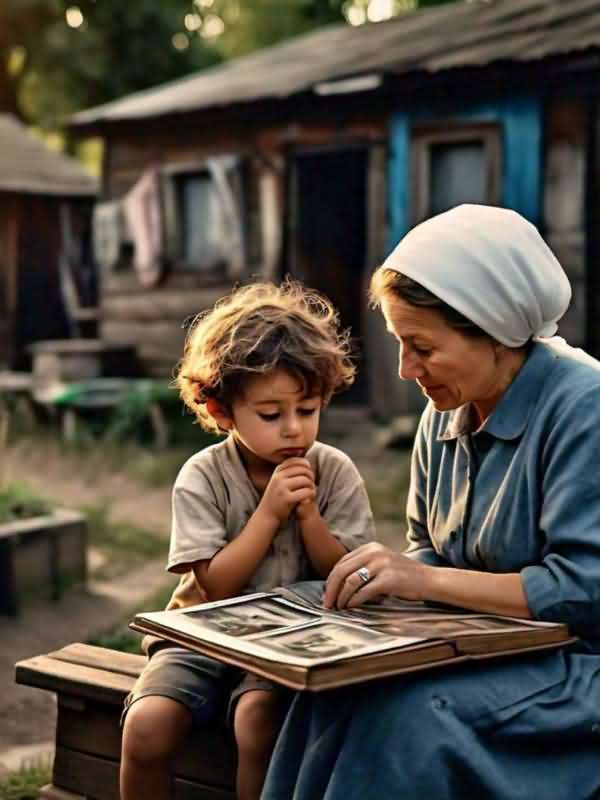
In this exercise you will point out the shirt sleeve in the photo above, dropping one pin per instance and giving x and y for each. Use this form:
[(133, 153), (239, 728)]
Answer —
[(565, 586), (419, 542), (347, 511), (197, 523)]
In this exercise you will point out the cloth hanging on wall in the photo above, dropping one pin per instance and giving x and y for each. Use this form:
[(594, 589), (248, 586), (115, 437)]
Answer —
[(143, 213)]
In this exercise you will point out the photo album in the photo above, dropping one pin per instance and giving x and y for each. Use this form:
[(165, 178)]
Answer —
[(287, 636)]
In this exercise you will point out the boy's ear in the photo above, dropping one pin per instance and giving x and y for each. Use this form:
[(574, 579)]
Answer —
[(219, 414)]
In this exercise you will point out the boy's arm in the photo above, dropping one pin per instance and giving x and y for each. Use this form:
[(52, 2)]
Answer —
[(230, 570), (322, 548), (346, 522)]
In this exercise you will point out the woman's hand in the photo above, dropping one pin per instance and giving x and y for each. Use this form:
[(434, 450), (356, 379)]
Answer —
[(390, 573)]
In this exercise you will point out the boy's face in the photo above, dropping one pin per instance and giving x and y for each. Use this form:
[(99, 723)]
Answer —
[(273, 419)]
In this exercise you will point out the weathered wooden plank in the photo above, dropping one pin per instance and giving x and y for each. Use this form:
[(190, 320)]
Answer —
[(98, 779), (61, 676), (165, 304), (127, 282), (207, 756), (138, 333), (52, 792), (101, 658)]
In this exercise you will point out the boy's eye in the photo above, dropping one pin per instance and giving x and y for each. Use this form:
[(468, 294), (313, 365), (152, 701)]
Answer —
[(306, 412), (422, 351), (268, 417)]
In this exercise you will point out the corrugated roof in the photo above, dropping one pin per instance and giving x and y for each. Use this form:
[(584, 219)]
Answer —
[(27, 165), (465, 34)]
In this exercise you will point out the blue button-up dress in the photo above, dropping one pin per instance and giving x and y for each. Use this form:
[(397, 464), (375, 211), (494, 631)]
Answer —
[(521, 494)]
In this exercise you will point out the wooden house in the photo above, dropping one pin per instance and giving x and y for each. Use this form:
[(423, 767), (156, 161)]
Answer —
[(45, 212), (313, 157)]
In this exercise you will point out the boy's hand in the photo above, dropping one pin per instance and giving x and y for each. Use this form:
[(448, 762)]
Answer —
[(307, 509), (291, 484)]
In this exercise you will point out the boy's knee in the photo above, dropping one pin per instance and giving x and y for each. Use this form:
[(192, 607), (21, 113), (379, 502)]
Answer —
[(257, 721), (153, 728)]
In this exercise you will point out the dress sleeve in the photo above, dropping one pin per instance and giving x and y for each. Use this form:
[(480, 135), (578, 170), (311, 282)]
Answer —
[(565, 586), (419, 542), (348, 511), (197, 522)]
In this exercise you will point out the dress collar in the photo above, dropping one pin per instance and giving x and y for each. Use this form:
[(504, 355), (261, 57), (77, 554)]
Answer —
[(509, 418)]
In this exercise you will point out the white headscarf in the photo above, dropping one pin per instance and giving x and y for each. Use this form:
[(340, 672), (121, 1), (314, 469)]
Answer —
[(492, 266)]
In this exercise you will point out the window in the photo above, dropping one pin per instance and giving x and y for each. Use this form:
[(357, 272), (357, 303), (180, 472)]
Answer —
[(203, 216), (452, 165), (203, 223)]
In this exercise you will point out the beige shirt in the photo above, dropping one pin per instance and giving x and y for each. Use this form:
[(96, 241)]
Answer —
[(213, 499)]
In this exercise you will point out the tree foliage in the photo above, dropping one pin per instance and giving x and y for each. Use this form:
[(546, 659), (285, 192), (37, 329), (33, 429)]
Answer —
[(54, 66), (121, 46)]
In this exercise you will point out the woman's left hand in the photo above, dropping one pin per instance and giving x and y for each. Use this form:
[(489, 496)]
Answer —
[(387, 573)]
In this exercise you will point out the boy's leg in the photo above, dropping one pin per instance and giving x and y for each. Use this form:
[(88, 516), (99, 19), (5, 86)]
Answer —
[(176, 689), (154, 727), (259, 714)]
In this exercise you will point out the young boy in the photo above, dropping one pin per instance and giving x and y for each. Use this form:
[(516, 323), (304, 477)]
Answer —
[(266, 507)]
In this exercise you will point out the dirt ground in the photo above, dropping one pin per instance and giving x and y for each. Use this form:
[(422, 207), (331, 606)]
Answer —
[(27, 715)]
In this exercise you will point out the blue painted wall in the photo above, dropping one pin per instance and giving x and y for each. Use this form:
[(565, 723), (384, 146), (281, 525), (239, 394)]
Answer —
[(520, 120)]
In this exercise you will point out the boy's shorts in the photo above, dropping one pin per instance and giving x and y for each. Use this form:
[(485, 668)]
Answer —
[(208, 688)]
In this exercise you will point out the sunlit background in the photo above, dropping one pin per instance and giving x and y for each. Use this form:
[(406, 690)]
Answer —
[(60, 57)]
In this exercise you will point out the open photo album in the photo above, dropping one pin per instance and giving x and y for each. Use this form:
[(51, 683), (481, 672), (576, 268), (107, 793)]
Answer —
[(287, 636)]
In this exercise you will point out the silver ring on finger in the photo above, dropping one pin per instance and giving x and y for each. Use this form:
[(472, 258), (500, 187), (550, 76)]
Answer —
[(364, 574)]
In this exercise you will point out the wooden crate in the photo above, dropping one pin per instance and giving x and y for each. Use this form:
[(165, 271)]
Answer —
[(41, 557), (91, 684)]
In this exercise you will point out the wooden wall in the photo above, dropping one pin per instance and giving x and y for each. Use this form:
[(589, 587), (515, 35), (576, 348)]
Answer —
[(153, 319), (564, 188), (8, 277)]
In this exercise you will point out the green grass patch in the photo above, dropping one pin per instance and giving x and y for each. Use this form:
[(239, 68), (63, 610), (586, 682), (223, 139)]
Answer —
[(17, 501), (25, 783), (121, 637), (122, 544)]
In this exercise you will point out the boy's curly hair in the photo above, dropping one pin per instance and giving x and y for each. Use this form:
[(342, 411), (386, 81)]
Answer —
[(255, 330)]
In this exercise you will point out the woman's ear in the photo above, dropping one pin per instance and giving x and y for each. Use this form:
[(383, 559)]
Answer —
[(219, 414)]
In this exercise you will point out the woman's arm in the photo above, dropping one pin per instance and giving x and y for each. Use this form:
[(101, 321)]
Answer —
[(395, 574)]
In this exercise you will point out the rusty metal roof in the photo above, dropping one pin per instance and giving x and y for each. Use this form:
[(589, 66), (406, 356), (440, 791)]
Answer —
[(27, 165), (469, 33)]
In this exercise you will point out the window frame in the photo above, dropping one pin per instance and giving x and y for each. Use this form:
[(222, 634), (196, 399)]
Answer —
[(447, 133), (171, 174)]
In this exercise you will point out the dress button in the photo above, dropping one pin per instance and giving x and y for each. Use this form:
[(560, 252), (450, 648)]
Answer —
[(439, 703)]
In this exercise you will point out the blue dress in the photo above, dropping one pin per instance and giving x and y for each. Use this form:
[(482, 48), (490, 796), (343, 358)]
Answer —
[(521, 494)]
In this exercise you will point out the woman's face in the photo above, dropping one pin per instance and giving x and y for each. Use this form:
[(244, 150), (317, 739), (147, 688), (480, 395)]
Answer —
[(451, 369)]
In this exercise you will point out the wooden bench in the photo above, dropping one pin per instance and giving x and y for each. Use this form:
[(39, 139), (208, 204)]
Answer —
[(91, 684)]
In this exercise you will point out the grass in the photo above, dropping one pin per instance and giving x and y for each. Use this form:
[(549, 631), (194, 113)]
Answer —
[(120, 637), (17, 501), (25, 783), (122, 545)]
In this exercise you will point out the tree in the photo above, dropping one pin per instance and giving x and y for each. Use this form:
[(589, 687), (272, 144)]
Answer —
[(63, 57)]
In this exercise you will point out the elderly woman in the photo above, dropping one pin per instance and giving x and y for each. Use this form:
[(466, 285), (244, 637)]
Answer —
[(503, 516)]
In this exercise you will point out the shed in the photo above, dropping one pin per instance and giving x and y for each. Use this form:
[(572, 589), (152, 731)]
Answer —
[(45, 210), (314, 156)]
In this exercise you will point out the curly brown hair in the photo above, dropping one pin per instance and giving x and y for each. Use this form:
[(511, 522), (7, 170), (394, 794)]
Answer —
[(255, 330)]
